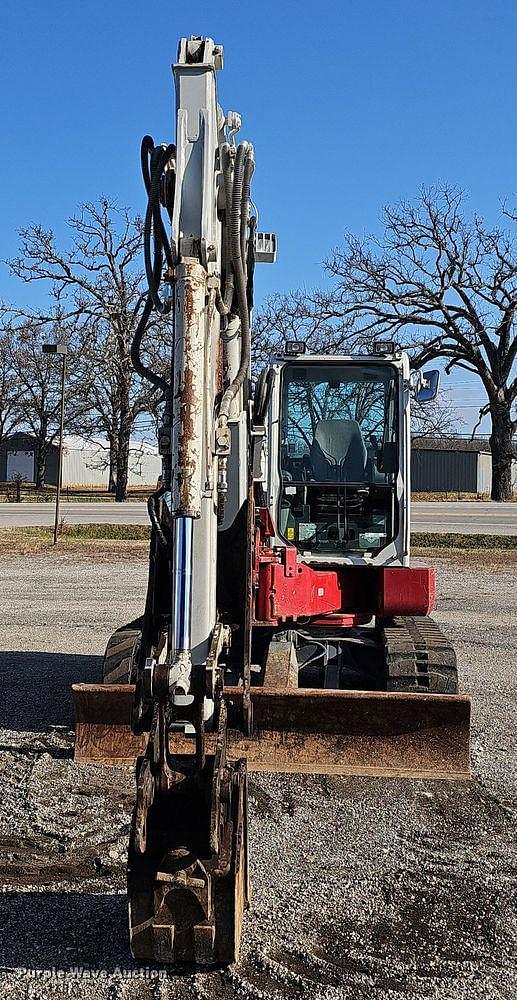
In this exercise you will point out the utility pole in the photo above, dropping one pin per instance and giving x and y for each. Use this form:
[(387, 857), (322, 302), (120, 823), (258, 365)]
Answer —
[(63, 351)]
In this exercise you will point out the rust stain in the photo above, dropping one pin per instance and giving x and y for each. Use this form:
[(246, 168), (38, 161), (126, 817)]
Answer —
[(189, 400)]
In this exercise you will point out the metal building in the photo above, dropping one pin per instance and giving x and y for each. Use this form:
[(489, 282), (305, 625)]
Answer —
[(450, 465), (85, 461)]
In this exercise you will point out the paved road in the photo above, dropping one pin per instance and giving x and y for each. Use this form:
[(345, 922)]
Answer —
[(23, 514), (470, 517)]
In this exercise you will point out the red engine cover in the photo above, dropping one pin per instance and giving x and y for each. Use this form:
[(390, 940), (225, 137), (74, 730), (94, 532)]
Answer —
[(304, 593), (289, 589)]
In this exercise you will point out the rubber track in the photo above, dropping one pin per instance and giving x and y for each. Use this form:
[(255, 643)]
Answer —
[(418, 657), (117, 667)]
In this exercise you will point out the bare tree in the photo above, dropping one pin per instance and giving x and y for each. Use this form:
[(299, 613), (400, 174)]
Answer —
[(300, 315), (444, 286), (435, 419), (10, 388), (39, 386), (117, 396), (98, 281)]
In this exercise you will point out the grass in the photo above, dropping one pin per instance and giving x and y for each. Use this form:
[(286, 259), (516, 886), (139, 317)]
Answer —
[(483, 551), (454, 495), (67, 532), (122, 532), (69, 494), (90, 540), (454, 540), (490, 559), (103, 542), (420, 495)]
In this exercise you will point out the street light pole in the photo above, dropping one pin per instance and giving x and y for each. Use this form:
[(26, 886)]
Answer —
[(63, 351)]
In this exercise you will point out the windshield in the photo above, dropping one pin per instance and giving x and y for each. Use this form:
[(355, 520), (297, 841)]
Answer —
[(339, 456)]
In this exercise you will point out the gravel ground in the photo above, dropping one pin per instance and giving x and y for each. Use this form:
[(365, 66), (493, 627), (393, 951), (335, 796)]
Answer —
[(362, 887)]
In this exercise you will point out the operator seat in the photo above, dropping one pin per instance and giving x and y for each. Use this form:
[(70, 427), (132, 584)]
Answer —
[(338, 452)]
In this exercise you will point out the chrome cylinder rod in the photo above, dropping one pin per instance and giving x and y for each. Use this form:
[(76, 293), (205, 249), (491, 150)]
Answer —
[(182, 606)]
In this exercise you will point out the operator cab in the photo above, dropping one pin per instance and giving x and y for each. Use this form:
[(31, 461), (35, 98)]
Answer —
[(338, 456)]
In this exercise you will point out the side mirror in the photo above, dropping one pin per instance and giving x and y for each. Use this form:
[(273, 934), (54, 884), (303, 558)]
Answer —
[(426, 385)]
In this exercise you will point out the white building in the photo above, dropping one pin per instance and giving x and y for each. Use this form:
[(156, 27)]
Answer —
[(85, 461)]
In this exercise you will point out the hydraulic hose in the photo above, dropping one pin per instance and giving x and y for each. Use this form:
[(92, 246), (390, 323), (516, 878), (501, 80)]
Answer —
[(153, 162), (153, 224), (152, 504), (249, 167), (224, 301), (142, 369), (241, 177), (147, 149)]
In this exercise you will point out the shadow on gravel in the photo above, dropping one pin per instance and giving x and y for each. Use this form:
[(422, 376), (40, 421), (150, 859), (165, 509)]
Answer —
[(72, 931), (36, 688), (46, 930)]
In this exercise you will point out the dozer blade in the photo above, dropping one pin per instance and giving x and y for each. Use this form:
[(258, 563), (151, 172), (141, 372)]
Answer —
[(103, 732), (312, 731)]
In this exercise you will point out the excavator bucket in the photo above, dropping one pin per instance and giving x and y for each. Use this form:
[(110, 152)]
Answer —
[(188, 879), (312, 731)]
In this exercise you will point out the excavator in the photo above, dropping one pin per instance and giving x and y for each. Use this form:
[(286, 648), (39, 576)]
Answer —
[(283, 629)]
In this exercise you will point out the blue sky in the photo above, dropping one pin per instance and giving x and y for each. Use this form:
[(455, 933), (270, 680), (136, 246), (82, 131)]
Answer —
[(349, 105)]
